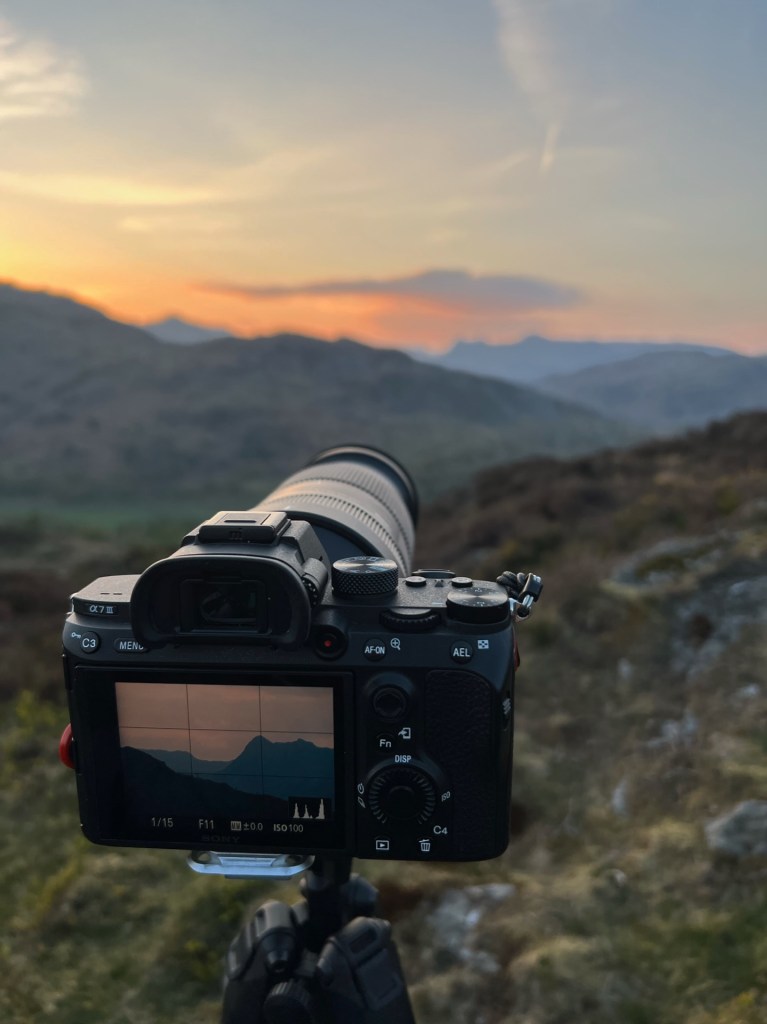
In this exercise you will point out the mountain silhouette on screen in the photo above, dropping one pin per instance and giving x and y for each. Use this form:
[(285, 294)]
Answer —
[(151, 787), (173, 780), (260, 756)]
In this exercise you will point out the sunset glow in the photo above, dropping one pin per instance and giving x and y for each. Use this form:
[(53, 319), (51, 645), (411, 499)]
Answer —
[(325, 169)]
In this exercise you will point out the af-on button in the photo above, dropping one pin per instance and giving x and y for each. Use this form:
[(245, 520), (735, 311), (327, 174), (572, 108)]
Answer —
[(374, 649)]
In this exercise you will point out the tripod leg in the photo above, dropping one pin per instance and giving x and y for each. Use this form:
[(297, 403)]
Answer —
[(265, 951), (361, 976)]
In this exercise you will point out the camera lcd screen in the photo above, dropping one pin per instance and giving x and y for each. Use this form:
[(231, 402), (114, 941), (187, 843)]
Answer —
[(237, 757), (212, 760)]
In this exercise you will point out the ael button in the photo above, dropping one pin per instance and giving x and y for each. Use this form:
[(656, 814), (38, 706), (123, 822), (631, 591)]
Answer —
[(461, 651)]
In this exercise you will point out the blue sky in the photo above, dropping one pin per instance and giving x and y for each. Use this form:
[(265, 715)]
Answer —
[(596, 166)]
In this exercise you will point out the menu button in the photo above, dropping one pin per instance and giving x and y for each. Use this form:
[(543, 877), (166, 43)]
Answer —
[(127, 645)]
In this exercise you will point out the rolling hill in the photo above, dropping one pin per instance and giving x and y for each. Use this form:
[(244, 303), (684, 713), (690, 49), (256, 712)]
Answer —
[(96, 411), (667, 391)]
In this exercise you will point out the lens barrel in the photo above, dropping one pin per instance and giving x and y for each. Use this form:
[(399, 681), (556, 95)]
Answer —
[(359, 500)]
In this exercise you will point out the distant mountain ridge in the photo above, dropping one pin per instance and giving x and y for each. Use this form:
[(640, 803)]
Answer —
[(177, 331), (94, 410), (668, 390), (259, 756), (534, 358)]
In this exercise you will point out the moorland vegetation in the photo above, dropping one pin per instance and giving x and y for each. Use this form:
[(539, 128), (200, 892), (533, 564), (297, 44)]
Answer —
[(641, 719)]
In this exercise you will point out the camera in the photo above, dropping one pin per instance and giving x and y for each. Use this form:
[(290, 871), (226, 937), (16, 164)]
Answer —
[(284, 682)]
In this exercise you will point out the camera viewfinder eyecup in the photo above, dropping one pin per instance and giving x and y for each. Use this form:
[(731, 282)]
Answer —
[(253, 577)]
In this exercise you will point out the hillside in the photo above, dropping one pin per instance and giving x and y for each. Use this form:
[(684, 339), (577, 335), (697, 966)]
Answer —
[(95, 411), (668, 390), (641, 720)]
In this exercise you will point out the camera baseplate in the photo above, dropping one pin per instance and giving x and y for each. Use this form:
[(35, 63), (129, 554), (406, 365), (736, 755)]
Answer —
[(248, 865)]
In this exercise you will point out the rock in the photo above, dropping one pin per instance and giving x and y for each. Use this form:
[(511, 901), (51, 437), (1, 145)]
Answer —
[(619, 799), (741, 832), (618, 878), (749, 692), (679, 733), (668, 561), (455, 919), (625, 670), (732, 606)]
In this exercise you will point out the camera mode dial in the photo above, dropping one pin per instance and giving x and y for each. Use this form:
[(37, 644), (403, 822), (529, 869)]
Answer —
[(480, 604), (364, 576), (402, 792)]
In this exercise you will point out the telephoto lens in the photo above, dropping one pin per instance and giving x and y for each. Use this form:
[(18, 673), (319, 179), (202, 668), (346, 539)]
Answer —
[(359, 500)]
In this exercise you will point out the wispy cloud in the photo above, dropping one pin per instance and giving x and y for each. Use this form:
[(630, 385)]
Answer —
[(36, 78), (530, 54), (180, 222), (103, 190), (549, 150), (445, 288), (502, 168), (258, 182), (547, 46)]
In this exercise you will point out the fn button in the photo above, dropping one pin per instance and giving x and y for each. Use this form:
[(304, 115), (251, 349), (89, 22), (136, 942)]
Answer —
[(461, 651)]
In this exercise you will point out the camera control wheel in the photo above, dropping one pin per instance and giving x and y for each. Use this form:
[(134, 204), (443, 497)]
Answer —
[(480, 605), (400, 792), (364, 576)]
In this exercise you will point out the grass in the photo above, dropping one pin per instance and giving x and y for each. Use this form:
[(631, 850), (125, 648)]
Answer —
[(615, 918)]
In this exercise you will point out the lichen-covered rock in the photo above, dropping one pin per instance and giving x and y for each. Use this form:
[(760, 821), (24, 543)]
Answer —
[(741, 832), (455, 918)]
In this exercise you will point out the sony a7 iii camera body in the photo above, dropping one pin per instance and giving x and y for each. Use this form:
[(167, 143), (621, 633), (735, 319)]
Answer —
[(283, 683)]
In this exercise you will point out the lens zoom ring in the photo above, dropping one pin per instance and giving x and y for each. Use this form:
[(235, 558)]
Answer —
[(365, 481), (297, 493)]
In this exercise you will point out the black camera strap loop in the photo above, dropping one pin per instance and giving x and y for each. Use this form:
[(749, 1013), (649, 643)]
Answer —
[(524, 589)]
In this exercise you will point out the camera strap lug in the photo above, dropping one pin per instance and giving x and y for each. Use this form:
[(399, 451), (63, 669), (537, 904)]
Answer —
[(524, 589)]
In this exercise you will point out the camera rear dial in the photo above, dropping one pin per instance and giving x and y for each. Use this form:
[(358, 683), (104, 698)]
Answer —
[(402, 792)]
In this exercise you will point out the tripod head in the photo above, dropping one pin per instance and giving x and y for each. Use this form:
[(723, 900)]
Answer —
[(325, 960)]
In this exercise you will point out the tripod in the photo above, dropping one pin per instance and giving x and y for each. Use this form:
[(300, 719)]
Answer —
[(325, 960)]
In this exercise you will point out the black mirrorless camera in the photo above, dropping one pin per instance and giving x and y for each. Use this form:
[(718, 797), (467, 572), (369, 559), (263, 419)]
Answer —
[(283, 682)]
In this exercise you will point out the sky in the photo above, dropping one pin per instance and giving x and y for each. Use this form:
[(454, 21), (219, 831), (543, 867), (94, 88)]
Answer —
[(217, 722), (407, 173)]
